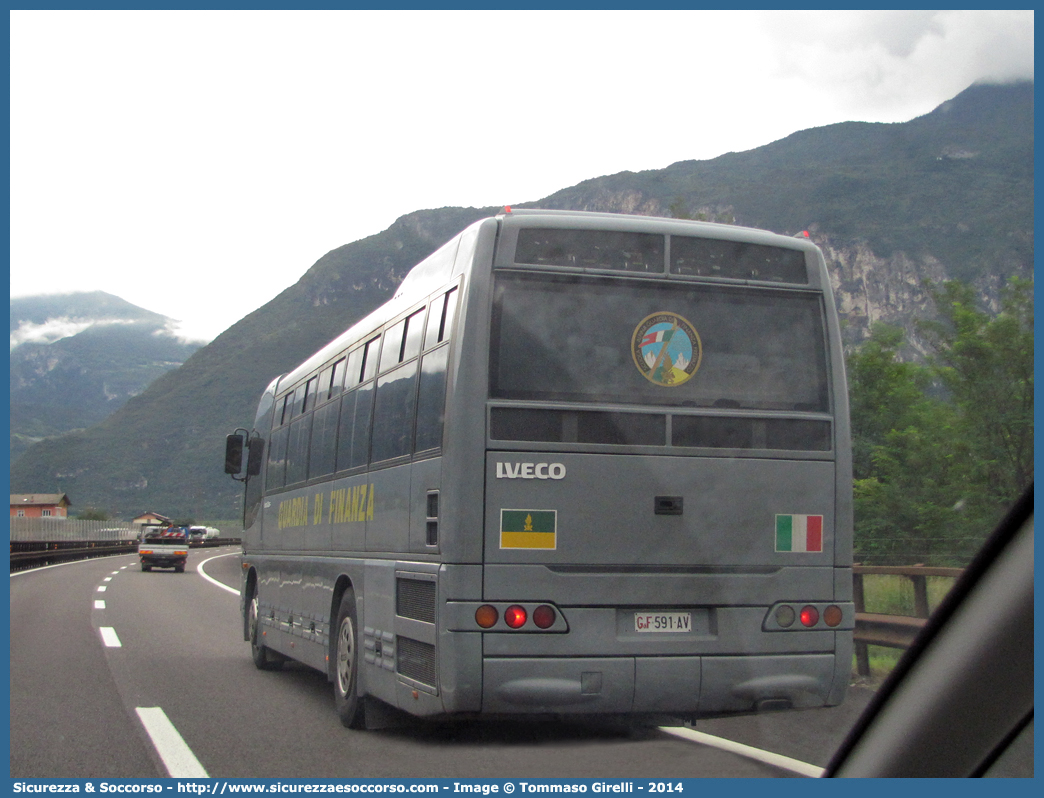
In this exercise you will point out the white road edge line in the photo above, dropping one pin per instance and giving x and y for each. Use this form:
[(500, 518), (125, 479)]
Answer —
[(109, 637), (211, 579), (769, 758), (177, 757)]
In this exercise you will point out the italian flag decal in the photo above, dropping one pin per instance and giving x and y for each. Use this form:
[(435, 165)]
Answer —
[(528, 529), (799, 533)]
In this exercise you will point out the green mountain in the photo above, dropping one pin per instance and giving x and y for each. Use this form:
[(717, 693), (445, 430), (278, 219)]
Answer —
[(947, 195), (955, 184), (76, 358)]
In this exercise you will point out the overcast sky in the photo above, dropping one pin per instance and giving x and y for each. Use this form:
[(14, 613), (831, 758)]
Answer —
[(198, 163)]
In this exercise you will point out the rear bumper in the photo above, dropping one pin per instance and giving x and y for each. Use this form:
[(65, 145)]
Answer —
[(680, 686), (162, 562)]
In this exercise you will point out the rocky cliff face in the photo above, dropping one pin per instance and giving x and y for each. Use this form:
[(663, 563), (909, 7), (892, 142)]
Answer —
[(869, 289)]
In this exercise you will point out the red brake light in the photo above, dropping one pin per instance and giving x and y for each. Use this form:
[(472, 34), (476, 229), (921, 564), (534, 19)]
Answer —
[(515, 616), (809, 616), (544, 616)]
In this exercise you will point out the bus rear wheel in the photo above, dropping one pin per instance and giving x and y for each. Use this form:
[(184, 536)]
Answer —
[(264, 659), (346, 663)]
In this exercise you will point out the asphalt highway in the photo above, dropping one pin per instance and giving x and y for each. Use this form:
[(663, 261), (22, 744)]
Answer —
[(117, 673)]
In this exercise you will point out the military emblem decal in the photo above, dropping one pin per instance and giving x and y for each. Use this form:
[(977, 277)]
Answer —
[(666, 349)]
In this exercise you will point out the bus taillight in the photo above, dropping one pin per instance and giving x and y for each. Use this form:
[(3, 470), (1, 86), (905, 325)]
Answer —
[(544, 616), (486, 616), (785, 616), (809, 616), (515, 616), (832, 615)]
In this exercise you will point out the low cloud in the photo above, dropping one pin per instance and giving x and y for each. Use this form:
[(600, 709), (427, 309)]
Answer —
[(184, 333), (53, 330), (64, 327), (899, 60)]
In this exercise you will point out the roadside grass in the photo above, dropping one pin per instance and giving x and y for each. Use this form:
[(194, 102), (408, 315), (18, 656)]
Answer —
[(894, 595), (882, 661)]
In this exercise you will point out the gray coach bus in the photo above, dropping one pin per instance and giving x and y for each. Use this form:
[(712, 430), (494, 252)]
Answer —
[(579, 463)]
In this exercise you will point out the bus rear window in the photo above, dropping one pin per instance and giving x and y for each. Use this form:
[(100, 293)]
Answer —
[(590, 249), (739, 260), (607, 340)]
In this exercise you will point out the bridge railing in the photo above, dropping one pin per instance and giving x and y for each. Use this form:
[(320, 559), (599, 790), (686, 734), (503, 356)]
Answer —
[(892, 631)]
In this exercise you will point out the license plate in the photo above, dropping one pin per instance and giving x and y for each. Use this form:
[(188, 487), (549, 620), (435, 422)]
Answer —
[(663, 622)]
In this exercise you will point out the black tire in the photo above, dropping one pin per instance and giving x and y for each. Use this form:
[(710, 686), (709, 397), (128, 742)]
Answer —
[(179, 569), (264, 658), (146, 568), (345, 664)]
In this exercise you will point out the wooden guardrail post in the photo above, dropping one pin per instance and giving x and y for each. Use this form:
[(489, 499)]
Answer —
[(920, 586), (862, 652)]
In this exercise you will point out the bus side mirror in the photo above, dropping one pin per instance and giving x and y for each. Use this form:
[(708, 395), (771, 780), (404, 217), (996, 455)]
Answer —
[(255, 456), (233, 453)]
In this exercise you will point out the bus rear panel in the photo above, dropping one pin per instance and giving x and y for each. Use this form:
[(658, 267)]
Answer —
[(662, 470)]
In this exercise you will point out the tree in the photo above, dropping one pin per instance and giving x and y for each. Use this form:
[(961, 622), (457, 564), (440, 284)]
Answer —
[(906, 461), (941, 450), (93, 514), (987, 366)]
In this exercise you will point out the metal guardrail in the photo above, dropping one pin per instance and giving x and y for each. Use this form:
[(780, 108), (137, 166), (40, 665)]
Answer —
[(33, 554), (892, 631)]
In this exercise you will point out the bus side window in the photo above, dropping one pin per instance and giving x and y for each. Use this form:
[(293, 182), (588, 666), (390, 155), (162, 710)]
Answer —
[(276, 474), (440, 319), (297, 449), (299, 400), (394, 413), (310, 394), (337, 379), (285, 406), (353, 438), (369, 366), (411, 344), (323, 393), (353, 369), (431, 400), (392, 348), (323, 454)]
